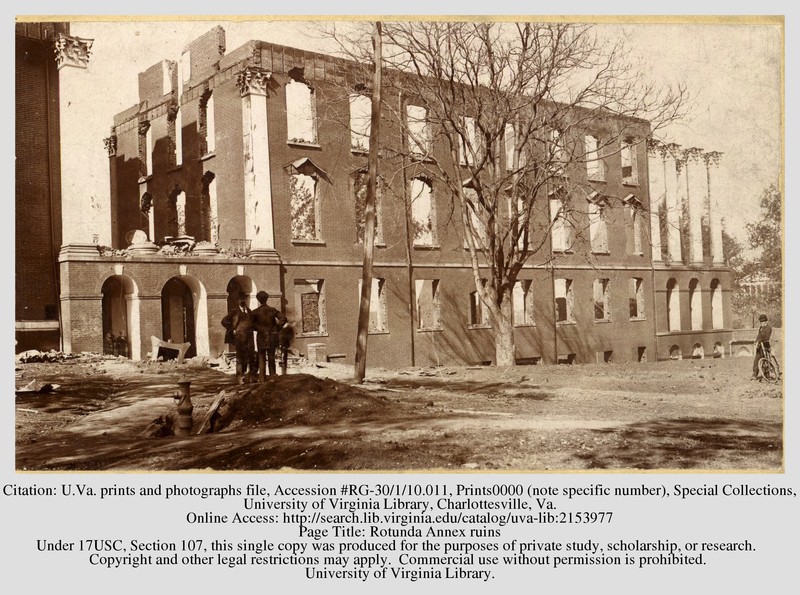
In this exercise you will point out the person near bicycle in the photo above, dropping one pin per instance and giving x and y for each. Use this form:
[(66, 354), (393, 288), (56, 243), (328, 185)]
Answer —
[(761, 344)]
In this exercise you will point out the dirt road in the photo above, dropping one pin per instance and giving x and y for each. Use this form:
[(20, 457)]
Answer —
[(692, 414)]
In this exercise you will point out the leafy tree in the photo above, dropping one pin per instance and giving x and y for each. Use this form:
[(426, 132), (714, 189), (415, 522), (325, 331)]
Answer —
[(767, 267), (766, 236)]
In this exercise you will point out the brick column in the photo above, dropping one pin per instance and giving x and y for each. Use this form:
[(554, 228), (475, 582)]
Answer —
[(673, 183), (253, 84), (696, 195), (714, 209), (655, 158)]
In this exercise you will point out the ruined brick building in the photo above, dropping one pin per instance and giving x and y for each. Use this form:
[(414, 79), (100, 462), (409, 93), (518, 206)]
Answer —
[(234, 156)]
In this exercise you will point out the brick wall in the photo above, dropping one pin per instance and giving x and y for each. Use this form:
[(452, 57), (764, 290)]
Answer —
[(84, 277), (337, 259), (205, 53), (37, 188)]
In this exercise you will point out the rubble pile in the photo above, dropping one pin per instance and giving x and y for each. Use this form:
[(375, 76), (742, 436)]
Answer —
[(300, 399), (35, 356)]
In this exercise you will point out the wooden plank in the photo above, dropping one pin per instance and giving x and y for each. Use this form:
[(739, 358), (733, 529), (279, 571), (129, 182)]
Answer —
[(205, 425)]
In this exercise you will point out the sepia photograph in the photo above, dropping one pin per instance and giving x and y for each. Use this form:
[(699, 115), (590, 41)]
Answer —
[(498, 244)]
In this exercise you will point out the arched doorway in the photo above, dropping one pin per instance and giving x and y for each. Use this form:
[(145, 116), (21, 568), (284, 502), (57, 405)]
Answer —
[(184, 314), (177, 314), (237, 286), (121, 335)]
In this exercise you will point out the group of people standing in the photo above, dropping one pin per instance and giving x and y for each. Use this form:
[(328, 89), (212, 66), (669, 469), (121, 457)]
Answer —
[(256, 354)]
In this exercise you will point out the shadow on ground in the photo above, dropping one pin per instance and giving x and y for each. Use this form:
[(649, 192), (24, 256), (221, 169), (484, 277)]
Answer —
[(685, 443)]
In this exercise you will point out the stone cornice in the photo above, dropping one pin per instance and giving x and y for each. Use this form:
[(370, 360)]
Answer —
[(72, 51), (694, 153), (712, 158), (253, 81), (674, 150), (656, 148)]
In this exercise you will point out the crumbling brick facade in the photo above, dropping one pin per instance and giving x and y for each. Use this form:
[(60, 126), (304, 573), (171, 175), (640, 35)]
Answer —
[(598, 301)]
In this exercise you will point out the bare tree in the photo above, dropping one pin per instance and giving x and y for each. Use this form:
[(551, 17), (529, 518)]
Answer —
[(499, 119), (369, 211)]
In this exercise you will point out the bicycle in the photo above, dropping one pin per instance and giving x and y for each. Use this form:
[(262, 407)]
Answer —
[(768, 367)]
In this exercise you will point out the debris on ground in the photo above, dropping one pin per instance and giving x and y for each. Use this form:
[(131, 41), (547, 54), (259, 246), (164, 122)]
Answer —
[(34, 386), (35, 356), (622, 416), (160, 427)]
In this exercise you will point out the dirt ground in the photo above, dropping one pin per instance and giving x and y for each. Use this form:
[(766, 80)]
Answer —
[(691, 414)]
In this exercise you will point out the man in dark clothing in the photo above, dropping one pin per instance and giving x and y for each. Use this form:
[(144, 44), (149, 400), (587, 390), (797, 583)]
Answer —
[(240, 322), (268, 322), (285, 338), (764, 335)]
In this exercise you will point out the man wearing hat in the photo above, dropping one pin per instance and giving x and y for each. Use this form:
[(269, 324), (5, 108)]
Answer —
[(240, 323), (268, 322), (764, 334)]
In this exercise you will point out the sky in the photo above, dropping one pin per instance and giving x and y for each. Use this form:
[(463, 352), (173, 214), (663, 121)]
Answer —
[(732, 71)]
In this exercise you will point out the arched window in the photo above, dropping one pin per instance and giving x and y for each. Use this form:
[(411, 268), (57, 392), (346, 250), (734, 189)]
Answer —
[(717, 318), (673, 306), (695, 305)]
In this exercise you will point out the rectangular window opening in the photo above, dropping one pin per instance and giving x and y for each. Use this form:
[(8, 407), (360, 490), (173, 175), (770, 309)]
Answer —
[(419, 136), (595, 169), (598, 227), (301, 116), (560, 229), (478, 312), (602, 300), (304, 205), (566, 359), (422, 212), (522, 300), (378, 319), (359, 186), (360, 121), (636, 298), (564, 300), (428, 304), (310, 305), (630, 173)]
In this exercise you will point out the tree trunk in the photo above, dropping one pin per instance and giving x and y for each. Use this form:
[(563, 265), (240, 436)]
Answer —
[(369, 215), (504, 348)]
